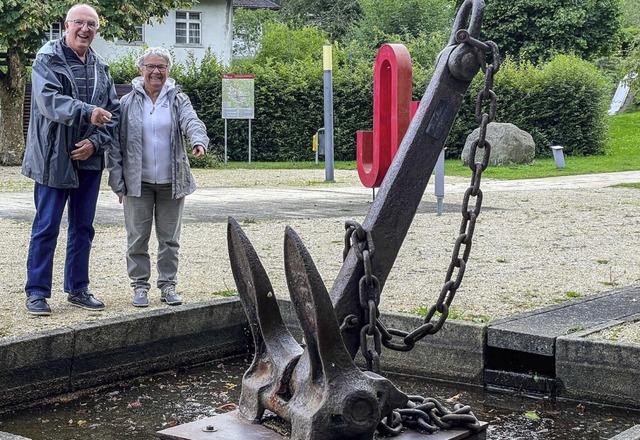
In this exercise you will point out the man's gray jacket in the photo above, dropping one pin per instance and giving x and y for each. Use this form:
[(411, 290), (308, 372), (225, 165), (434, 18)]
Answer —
[(59, 119)]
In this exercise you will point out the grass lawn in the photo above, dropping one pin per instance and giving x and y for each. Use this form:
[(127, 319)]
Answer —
[(622, 154)]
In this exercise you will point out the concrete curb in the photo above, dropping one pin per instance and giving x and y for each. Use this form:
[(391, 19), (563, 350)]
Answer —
[(629, 434), (54, 362), (604, 372), (87, 355)]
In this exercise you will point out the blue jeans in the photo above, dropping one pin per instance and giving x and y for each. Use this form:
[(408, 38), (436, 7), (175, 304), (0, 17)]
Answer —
[(50, 204)]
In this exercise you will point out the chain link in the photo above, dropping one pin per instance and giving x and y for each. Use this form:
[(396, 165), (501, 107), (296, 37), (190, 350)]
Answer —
[(427, 413)]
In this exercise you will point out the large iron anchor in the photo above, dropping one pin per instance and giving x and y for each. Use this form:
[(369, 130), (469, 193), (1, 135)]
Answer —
[(401, 191), (317, 387), (319, 390)]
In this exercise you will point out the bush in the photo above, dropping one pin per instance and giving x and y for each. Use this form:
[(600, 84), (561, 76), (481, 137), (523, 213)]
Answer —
[(561, 103)]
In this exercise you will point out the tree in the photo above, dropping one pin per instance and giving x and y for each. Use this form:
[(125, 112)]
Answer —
[(287, 44), (334, 17), (248, 29), (631, 13), (424, 26), (535, 30), (23, 24)]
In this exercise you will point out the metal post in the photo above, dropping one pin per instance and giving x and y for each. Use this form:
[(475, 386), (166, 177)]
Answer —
[(328, 111), (249, 140), (558, 156), (439, 181), (225, 140)]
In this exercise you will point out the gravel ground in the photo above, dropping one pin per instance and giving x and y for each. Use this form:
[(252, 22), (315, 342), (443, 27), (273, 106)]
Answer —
[(534, 246)]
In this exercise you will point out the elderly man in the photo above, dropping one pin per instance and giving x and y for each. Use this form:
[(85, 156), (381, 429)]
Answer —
[(74, 113)]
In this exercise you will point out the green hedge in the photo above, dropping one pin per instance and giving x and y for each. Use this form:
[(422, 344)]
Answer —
[(563, 102)]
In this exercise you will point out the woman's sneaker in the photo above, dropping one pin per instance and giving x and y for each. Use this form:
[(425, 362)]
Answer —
[(168, 294), (140, 297)]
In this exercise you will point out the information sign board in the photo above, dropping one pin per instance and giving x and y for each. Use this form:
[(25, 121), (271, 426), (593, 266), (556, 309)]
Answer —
[(237, 96)]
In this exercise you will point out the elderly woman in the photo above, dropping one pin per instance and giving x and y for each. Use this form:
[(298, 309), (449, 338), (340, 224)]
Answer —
[(150, 171)]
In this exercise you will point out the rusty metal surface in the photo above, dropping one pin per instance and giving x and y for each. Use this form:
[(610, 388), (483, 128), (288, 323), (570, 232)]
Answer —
[(229, 426), (317, 387), (394, 208), (321, 392), (265, 385)]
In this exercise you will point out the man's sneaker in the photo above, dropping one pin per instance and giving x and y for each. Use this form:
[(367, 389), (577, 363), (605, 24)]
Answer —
[(37, 305), (85, 300), (169, 295), (140, 297)]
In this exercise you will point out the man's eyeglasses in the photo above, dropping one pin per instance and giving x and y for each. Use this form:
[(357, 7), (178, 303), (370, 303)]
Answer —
[(152, 67), (93, 25)]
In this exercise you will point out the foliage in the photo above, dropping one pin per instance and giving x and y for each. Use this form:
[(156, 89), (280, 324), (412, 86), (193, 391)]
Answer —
[(405, 17), (621, 153), (286, 44), (207, 161), (563, 102), (288, 100), (423, 26), (203, 84), (289, 107), (631, 13), (632, 64), (23, 25), (248, 29), (124, 69), (537, 30), (334, 17)]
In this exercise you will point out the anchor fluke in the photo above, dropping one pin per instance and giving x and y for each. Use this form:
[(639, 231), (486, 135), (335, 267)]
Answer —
[(265, 384), (333, 399)]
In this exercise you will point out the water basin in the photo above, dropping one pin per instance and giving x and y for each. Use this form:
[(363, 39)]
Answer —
[(139, 408)]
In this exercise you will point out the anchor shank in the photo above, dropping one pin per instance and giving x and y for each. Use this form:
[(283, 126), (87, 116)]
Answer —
[(393, 209)]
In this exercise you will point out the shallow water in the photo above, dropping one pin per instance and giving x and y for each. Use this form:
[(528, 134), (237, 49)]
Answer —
[(139, 408)]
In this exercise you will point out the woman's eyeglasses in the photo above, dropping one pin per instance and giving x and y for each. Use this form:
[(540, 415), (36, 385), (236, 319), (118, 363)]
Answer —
[(152, 67)]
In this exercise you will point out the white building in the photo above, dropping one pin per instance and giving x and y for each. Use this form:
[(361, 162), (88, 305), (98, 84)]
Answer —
[(208, 25)]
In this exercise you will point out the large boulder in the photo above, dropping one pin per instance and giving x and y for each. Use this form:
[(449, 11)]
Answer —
[(509, 145)]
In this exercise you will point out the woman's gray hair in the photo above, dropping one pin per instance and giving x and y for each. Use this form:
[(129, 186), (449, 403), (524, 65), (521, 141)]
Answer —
[(158, 51)]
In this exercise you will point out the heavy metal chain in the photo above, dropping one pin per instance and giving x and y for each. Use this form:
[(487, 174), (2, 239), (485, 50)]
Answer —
[(427, 413)]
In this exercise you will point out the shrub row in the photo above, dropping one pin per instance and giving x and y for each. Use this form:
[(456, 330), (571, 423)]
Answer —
[(563, 102)]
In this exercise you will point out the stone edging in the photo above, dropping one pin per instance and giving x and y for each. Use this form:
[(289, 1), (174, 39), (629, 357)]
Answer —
[(87, 355)]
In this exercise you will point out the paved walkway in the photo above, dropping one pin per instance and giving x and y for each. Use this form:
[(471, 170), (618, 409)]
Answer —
[(216, 204)]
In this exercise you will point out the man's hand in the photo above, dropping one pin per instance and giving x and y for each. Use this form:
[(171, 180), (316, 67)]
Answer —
[(100, 116), (84, 150)]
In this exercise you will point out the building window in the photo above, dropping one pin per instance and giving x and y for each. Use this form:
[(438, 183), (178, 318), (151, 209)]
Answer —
[(138, 39), (140, 33), (188, 25), (55, 31)]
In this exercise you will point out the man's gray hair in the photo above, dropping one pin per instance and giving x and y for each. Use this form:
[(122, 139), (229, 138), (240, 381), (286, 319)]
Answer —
[(157, 51), (74, 8)]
